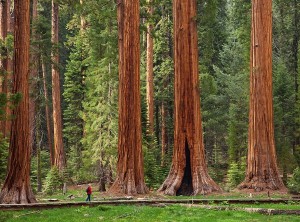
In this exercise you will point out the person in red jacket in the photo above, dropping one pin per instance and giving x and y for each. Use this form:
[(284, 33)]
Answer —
[(88, 192)]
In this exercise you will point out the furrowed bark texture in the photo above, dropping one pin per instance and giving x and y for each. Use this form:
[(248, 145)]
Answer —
[(59, 154), (130, 170), (16, 188), (262, 171), (188, 174)]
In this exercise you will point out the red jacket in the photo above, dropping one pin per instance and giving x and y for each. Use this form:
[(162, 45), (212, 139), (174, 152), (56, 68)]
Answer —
[(89, 190)]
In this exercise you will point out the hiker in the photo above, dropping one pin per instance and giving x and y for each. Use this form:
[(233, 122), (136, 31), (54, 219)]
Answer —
[(88, 192)]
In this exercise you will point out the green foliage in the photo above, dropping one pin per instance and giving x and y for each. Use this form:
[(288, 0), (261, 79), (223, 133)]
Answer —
[(74, 91), (90, 85), (100, 111), (138, 214), (154, 171), (45, 165), (3, 157), (3, 101), (53, 181), (217, 172), (236, 174), (294, 182)]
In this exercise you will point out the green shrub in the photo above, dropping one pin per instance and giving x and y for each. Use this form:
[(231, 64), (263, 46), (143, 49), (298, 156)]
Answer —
[(53, 181), (3, 157), (294, 182), (45, 165), (217, 172), (235, 175)]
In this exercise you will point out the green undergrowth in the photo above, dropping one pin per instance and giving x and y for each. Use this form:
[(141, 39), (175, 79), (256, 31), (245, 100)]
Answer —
[(136, 214), (80, 195), (288, 206)]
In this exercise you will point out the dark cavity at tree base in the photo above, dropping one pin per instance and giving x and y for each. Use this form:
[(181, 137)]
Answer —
[(180, 180)]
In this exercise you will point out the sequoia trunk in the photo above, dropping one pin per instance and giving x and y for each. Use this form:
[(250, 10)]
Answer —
[(59, 155), (16, 188), (130, 171), (188, 174), (262, 172)]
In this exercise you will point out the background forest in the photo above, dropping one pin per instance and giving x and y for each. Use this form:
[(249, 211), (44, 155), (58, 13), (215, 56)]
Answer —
[(88, 65)]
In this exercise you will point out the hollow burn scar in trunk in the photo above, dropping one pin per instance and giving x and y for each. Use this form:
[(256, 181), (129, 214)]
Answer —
[(186, 187)]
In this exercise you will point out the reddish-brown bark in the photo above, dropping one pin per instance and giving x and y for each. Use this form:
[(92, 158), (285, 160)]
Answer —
[(3, 60), (130, 170), (188, 174), (33, 76), (59, 154), (16, 188), (164, 136), (149, 85), (262, 172), (9, 73), (47, 113)]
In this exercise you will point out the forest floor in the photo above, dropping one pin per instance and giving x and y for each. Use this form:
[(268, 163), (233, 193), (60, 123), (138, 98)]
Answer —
[(77, 193), (169, 213), (233, 206)]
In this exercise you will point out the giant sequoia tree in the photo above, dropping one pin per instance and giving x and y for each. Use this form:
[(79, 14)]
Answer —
[(16, 188), (262, 171), (130, 171), (188, 174)]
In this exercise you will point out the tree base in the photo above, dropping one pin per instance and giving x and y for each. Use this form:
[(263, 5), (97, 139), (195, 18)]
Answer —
[(260, 184), (178, 184), (128, 186), (183, 190), (16, 195), (181, 180)]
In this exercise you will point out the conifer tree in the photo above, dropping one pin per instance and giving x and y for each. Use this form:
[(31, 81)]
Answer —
[(130, 169), (16, 188), (188, 174), (262, 171)]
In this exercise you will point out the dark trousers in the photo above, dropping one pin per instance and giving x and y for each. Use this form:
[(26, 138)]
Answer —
[(88, 197)]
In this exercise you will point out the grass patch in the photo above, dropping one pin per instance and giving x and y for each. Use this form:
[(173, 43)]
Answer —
[(137, 214), (288, 206)]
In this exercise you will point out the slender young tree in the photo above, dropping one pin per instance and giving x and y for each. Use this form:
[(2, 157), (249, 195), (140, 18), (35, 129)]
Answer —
[(47, 113), (130, 170), (9, 70), (16, 188), (3, 60), (164, 135), (33, 75), (59, 154), (262, 171), (188, 174), (295, 71), (149, 86)]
